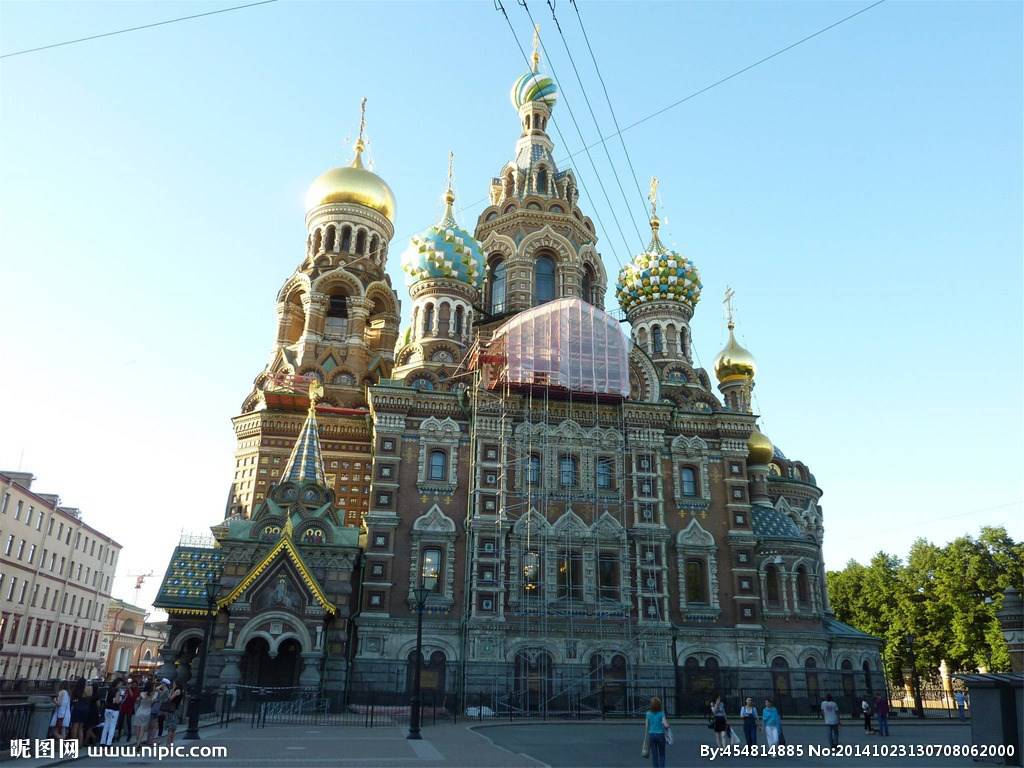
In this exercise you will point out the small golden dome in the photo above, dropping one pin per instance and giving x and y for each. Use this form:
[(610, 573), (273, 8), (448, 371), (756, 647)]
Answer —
[(352, 184), (759, 448), (734, 360)]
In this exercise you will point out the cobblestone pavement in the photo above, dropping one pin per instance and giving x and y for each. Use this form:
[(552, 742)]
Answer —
[(593, 745)]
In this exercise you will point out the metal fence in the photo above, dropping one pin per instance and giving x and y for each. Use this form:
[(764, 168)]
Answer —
[(14, 722)]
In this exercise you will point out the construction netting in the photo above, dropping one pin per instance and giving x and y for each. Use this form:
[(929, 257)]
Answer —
[(567, 343)]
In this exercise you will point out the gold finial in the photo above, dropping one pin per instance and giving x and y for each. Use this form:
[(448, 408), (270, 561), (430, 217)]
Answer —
[(287, 528), (449, 195), (536, 47), (727, 301), (316, 392), (653, 197), (357, 161)]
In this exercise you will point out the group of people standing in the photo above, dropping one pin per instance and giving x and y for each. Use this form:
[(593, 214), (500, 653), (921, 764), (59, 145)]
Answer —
[(657, 732), (140, 713)]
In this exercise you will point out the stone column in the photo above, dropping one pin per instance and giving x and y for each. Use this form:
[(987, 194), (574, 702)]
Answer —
[(167, 669), (310, 675), (231, 674), (358, 313)]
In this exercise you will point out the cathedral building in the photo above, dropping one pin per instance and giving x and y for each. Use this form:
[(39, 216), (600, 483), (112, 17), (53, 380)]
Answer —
[(598, 515)]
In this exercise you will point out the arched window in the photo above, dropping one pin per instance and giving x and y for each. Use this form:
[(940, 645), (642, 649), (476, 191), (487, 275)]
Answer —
[(696, 581), (803, 587), (458, 321), (588, 285), (773, 593), (148, 656), (316, 241), (428, 319), (567, 470), (605, 467), (438, 465), (329, 242), (780, 677), (374, 246), (431, 566), (542, 181), (346, 239), (497, 287), (543, 280), (361, 242), (811, 673), (336, 322), (533, 469), (688, 480), (657, 340)]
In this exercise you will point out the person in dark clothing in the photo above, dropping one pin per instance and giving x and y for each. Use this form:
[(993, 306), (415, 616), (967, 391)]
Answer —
[(112, 711), (124, 724)]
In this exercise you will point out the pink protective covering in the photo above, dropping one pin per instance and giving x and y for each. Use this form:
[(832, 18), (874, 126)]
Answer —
[(567, 343)]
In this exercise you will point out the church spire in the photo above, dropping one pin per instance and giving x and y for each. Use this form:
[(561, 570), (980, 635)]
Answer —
[(306, 465)]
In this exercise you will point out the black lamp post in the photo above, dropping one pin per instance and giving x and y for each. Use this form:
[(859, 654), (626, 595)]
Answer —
[(211, 585), (428, 581), (915, 683)]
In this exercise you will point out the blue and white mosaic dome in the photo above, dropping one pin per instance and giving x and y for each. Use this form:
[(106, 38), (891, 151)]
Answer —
[(444, 250), (533, 86)]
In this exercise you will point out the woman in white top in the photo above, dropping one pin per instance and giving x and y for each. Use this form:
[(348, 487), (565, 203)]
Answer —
[(61, 718)]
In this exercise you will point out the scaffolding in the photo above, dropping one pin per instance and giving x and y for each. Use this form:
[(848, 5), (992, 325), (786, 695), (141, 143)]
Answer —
[(566, 557)]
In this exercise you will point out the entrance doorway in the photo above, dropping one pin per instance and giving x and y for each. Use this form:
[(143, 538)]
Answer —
[(258, 668)]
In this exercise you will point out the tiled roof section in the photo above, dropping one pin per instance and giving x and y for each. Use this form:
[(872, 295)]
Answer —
[(184, 584), (836, 627), (305, 465), (778, 454), (773, 524)]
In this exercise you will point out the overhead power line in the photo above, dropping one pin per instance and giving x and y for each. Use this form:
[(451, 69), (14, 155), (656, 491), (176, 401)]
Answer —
[(579, 131), (135, 29), (737, 73), (500, 7), (593, 116)]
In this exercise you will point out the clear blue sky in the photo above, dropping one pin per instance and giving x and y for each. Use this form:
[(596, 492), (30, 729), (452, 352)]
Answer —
[(861, 193)]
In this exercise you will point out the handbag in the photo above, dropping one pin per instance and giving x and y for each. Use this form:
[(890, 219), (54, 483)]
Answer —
[(733, 737), (668, 731), (645, 748)]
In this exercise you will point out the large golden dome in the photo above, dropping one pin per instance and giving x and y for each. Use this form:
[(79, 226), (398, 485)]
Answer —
[(759, 448), (352, 184), (734, 360)]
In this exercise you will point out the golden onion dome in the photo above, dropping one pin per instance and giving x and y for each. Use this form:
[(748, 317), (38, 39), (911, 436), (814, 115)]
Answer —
[(734, 360), (352, 184), (759, 448)]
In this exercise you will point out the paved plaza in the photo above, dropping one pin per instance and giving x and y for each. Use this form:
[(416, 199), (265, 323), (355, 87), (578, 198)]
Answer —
[(527, 744)]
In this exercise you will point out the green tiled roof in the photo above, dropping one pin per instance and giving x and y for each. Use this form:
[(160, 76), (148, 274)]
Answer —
[(184, 584), (836, 627), (769, 522)]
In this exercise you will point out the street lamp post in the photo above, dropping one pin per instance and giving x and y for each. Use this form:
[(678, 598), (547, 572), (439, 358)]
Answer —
[(915, 682), (197, 684), (428, 581)]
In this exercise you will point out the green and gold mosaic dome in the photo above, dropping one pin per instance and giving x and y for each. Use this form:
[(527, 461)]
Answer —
[(658, 274)]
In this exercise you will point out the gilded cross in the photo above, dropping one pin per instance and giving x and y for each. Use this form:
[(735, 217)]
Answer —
[(653, 196), (727, 301), (536, 47)]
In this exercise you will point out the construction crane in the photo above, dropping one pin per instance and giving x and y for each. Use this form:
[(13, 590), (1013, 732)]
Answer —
[(140, 580)]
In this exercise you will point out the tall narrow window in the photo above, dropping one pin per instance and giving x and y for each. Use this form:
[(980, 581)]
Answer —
[(605, 465), (531, 572), (346, 239), (497, 288), (608, 579), (588, 285), (772, 585), (570, 575), (567, 471), (544, 280), (657, 340), (696, 581), (458, 321), (361, 242), (432, 566), (803, 589), (428, 319), (532, 470), (438, 465), (542, 181), (688, 480), (329, 240)]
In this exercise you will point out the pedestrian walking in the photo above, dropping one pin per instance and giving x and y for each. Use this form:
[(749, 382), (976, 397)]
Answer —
[(656, 733), (865, 709), (749, 714), (772, 723), (882, 712), (61, 719), (169, 710), (719, 721), (160, 694), (112, 711), (830, 711), (961, 705), (143, 710), (79, 709), (131, 696)]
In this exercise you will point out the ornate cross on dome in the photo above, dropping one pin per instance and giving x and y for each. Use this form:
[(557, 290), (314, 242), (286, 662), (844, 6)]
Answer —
[(727, 301), (449, 193), (316, 392), (653, 197), (536, 47), (357, 161)]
